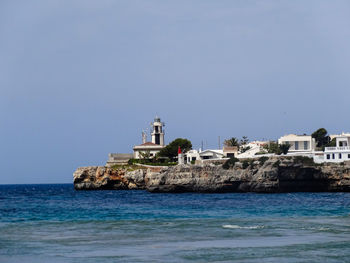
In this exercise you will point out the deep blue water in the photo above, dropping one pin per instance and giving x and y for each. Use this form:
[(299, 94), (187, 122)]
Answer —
[(55, 223)]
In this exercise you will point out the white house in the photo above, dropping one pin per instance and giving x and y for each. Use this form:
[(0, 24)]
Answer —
[(298, 143), (211, 154), (230, 151), (339, 153), (192, 155)]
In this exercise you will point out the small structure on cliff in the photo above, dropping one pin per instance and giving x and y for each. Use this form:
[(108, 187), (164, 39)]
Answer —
[(150, 149), (118, 158)]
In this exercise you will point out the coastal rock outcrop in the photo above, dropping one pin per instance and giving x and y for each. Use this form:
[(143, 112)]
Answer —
[(103, 178), (274, 175), (263, 175)]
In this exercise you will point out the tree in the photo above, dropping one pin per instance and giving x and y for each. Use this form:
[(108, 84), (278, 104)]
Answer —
[(284, 148), (171, 150), (244, 140), (272, 147), (321, 137), (231, 142), (332, 143)]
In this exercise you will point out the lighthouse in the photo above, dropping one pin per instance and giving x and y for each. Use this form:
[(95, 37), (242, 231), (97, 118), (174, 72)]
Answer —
[(180, 157), (157, 132)]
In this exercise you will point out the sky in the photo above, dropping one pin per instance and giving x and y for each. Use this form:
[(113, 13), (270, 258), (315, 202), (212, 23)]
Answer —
[(81, 79)]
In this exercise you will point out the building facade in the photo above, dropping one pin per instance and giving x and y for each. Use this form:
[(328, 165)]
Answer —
[(298, 143), (150, 149), (339, 153)]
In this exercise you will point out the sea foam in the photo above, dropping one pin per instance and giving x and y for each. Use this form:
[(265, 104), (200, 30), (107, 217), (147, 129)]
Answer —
[(242, 227)]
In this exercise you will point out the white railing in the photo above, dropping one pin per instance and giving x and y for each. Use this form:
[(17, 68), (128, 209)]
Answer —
[(336, 149)]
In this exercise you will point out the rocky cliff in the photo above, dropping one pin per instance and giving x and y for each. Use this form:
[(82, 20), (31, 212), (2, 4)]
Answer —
[(277, 174)]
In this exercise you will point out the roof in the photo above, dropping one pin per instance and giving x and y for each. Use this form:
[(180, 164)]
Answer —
[(213, 151), (148, 144)]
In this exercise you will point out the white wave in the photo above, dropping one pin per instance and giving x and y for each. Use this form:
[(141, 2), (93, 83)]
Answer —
[(242, 227)]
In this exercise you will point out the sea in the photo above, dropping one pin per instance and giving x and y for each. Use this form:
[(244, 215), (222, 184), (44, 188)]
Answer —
[(55, 223)]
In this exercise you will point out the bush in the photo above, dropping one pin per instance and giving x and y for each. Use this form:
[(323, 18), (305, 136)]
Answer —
[(263, 159), (245, 164), (304, 160), (230, 163), (284, 148), (277, 163), (260, 153)]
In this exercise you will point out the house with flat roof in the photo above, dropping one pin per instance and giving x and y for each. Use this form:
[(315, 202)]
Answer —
[(299, 143), (339, 153)]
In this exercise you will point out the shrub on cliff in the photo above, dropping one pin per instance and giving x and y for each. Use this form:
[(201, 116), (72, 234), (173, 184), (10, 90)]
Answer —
[(263, 159), (230, 163)]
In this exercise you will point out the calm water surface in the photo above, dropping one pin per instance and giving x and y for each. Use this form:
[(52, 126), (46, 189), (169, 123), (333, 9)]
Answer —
[(54, 223)]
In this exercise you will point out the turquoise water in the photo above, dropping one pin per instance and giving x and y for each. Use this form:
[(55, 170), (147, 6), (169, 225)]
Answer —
[(54, 223)]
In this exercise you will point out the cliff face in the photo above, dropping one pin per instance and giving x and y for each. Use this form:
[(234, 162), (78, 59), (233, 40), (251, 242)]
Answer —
[(269, 176), (103, 178)]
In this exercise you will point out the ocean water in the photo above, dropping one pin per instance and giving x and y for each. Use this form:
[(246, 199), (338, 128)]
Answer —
[(55, 223)]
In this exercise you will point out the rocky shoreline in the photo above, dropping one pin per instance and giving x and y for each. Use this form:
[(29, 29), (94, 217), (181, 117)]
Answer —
[(261, 175)]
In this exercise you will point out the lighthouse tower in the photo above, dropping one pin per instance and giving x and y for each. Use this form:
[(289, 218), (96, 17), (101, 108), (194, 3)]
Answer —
[(157, 132)]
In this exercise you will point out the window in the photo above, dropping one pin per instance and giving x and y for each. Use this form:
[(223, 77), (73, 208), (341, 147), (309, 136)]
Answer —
[(306, 145), (193, 158), (296, 146), (329, 156), (333, 156), (348, 156), (339, 155)]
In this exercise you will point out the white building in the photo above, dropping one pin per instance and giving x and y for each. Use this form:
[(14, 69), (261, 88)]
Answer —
[(151, 148), (253, 148), (194, 155), (299, 143), (339, 153), (211, 154), (230, 151)]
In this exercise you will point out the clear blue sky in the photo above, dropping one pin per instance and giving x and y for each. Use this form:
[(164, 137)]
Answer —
[(80, 79)]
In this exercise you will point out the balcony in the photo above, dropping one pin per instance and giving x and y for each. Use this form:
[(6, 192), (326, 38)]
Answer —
[(337, 149)]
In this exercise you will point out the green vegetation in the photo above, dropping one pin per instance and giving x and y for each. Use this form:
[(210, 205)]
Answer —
[(263, 159), (230, 163), (304, 160), (276, 164), (153, 161), (284, 148), (321, 137), (245, 164), (244, 148), (127, 167), (231, 142), (170, 151), (274, 147), (332, 143), (260, 153), (241, 144)]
